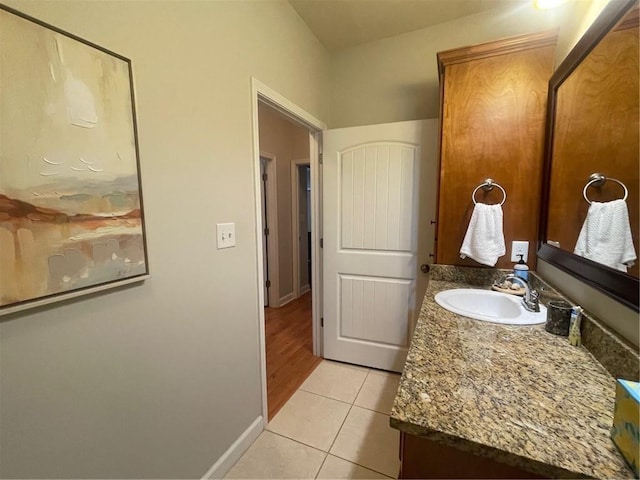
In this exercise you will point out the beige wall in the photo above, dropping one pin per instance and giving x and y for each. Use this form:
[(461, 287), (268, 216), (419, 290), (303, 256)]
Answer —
[(594, 9), (300, 148), (159, 380), (286, 141), (396, 79)]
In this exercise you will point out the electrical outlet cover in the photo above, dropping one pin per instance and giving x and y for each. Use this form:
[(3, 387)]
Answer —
[(519, 247)]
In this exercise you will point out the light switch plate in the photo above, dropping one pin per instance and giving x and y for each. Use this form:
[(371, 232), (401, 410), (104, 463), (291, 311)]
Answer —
[(519, 247), (226, 234)]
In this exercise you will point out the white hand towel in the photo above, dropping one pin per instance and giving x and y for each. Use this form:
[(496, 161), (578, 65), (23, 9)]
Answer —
[(606, 235), (484, 241)]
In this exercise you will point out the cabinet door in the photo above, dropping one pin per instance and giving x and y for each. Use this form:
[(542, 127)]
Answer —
[(422, 458)]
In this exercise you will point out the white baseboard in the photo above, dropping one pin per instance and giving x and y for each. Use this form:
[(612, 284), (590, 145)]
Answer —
[(236, 450), (287, 298), (305, 289)]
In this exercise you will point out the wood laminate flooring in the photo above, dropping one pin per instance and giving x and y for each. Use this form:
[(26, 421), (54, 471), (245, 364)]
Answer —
[(289, 350)]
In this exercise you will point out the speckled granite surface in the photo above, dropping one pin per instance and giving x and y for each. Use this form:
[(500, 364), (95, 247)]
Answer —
[(516, 394), (619, 358)]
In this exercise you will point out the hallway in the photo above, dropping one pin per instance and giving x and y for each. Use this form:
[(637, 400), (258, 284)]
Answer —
[(289, 350)]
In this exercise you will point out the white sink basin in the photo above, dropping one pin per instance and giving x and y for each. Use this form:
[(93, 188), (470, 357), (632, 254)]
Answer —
[(489, 306)]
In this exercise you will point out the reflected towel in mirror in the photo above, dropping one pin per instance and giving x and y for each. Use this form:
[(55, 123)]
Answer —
[(484, 240), (606, 235)]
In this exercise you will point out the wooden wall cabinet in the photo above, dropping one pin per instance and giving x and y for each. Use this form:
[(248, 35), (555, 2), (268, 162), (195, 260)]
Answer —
[(492, 118)]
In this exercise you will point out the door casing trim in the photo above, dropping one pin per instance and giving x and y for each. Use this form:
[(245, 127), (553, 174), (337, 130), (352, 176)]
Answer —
[(272, 220), (262, 93)]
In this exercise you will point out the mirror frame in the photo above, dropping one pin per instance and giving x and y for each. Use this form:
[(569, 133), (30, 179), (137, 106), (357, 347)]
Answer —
[(620, 286)]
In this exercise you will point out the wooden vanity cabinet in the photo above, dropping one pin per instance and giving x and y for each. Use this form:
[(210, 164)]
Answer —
[(423, 458), (492, 116)]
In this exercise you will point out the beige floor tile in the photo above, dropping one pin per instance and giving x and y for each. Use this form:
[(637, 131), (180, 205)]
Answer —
[(336, 380), (311, 419), (273, 456), (378, 392), (338, 468), (367, 439)]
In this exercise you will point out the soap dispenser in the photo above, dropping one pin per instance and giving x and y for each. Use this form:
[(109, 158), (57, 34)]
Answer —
[(521, 269)]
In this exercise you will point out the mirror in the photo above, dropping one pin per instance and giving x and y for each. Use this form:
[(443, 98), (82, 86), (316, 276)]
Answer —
[(595, 153), (589, 220)]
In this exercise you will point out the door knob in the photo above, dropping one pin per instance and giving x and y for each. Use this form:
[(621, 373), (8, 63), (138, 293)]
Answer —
[(424, 268)]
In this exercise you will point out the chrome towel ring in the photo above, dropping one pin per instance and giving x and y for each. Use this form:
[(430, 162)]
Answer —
[(487, 186), (597, 180)]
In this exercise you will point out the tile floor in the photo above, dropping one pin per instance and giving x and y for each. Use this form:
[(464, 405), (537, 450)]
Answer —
[(336, 425)]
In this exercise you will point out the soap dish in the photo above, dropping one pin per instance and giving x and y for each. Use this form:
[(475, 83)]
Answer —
[(499, 288)]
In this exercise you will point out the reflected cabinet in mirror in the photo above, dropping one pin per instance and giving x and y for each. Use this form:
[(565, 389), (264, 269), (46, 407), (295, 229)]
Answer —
[(590, 225)]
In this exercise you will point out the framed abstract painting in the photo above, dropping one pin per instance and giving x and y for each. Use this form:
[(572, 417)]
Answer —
[(71, 212)]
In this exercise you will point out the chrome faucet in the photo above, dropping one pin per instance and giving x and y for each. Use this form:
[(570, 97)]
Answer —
[(531, 299)]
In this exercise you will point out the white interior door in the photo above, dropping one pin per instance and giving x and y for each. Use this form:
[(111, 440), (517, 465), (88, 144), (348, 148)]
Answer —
[(379, 198)]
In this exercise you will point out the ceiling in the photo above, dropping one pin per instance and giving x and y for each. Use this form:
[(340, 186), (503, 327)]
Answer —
[(345, 23)]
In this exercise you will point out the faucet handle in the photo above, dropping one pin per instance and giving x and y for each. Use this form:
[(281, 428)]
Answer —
[(534, 301)]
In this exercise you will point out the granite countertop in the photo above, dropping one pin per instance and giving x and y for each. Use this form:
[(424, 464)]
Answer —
[(515, 394)]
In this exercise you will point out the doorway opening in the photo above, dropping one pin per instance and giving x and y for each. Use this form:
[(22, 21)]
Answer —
[(301, 225), (289, 260)]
